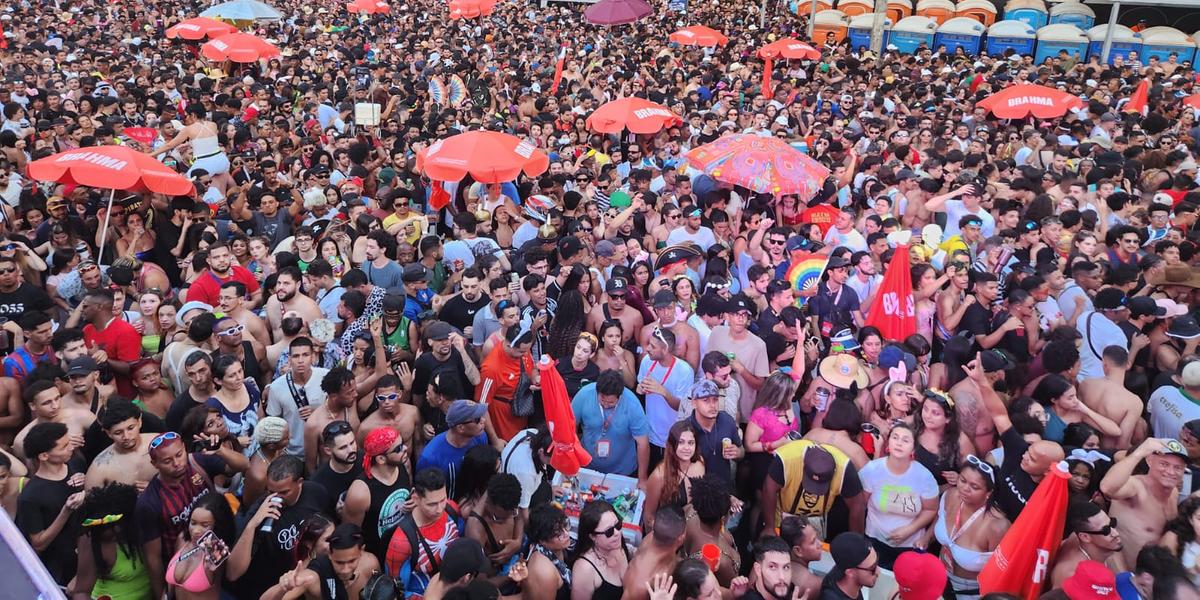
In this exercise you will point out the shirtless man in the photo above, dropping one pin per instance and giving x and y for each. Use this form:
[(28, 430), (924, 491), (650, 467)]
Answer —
[(806, 549), (341, 397), (288, 299), (45, 404), (1092, 537), (952, 302), (656, 554), (87, 393), (1109, 397), (631, 320), (1143, 504), (394, 397), (687, 340), (127, 460), (291, 326), (231, 301), (347, 568), (972, 415)]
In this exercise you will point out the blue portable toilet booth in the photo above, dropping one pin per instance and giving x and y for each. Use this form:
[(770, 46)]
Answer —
[(960, 32), (1195, 38), (1031, 11), (1160, 42), (860, 30), (1017, 35), (1073, 13), (1052, 39), (1124, 41), (911, 32)]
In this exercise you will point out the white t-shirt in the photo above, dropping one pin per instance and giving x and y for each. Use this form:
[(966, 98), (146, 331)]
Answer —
[(1169, 410), (525, 232), (678, 379), (282, 403), (895, 500), (468, 250), (957, 209), (865, 288), (852, 240), (1101, 334), (1066, 299), (703, 237), (517, 460)]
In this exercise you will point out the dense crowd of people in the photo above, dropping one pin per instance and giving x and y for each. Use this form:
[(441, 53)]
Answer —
[(318, 376)]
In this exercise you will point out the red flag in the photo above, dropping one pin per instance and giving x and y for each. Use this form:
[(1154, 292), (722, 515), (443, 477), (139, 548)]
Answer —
[(894, 311), (1137, 102), (567, 455), (1021, 564), (438, 196), (558, 69), (145, 135)]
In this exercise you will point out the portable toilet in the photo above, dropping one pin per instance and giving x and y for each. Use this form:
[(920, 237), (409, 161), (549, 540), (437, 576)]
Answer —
[(1052, 39), (1015, 35), (938, 10), (860, 30), (1196, 38), (853, 8), (913, 32), (830, 22), (1073, 13), (1030, 11), (898, 9), (1124, 41), (980, 10), (1160, 42), (960, 32), (804, 7)]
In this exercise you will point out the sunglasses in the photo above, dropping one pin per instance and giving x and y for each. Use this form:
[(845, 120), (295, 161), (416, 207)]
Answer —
[(399, 449), (1106, 530), (386, 397), (236, 329), (610, 531), (161, 438), (982, 466), (335, 429), (8, 271)]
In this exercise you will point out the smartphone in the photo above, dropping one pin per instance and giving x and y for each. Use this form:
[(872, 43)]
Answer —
[(215, 550), (513, 278)]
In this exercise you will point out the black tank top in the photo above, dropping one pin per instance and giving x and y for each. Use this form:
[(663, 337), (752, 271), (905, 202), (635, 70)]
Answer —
[(607, 591), (387, 507), (331, 586)]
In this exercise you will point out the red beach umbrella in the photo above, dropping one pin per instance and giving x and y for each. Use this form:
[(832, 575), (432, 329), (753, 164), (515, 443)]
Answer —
[(638, 115), (489, 156), (1020, 101), (767, 165), (567, 455), (199, 28), (616, 12), (368, 7), (786, 48), (698, 35), (239, 48)]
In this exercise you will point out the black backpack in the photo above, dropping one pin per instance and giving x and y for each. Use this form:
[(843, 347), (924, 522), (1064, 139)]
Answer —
[(382, 586), (416, 541)]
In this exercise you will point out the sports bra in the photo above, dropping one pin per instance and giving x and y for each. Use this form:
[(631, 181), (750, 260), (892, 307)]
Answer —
[(967, 559), (195, 583)]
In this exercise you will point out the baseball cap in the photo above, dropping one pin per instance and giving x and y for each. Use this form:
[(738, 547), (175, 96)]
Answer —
[(663, 298), (439, 330), (848, 549), (1029, 225), (415, 272), (705, 388), (995, 360), (1090, 581), (797, 242), (1140, 306), (837, 262), (919, 576), (189, 307), (903, 174), (1110, 299), (605, 248), (616, 285), (464, 411), (739, 304), (1174, 447), (464, 556), (82, 366), (1189, 378)]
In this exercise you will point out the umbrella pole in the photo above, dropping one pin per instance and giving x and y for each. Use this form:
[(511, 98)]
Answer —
[(112, 194)]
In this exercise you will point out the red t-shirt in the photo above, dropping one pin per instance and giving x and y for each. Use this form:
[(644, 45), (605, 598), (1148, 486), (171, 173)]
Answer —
[(121, 342), (821, 215), (207, 287)]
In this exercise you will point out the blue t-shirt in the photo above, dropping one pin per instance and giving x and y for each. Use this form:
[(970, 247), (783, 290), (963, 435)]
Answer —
[(628, 421), (440, 454)]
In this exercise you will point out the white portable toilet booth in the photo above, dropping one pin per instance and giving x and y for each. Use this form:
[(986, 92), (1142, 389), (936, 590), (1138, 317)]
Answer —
[(1053, 39), (960, 32), (1161, 42), (1124, 41), (1018, 36)]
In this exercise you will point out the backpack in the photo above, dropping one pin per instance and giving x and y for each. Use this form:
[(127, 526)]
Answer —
[(416, 541), (381, 586)]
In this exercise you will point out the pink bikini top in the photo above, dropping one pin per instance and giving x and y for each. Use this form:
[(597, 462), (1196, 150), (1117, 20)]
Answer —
[(196, 582)]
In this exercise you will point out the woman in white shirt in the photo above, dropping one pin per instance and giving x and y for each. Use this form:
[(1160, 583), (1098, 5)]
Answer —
[(903, 497)]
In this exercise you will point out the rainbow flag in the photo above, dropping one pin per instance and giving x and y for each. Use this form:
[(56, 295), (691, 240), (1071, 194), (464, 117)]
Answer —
[(805, 272)]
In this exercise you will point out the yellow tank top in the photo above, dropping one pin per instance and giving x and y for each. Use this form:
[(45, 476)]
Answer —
[(792, 499)]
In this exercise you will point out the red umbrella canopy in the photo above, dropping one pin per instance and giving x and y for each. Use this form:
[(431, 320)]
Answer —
[(1018, 564), (368, 7), (489, 156), (789, 48), (767, 165), (638, 115), (616, 12), (111, 167), (698, 35), (471, 9), (1192, 101), (1020, 101), (199, 28), (567, 455), (239, 48)]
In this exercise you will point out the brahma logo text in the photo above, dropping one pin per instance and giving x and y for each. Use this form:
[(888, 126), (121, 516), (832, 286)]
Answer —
[(95, 158), (643, 113), (1039, 100)]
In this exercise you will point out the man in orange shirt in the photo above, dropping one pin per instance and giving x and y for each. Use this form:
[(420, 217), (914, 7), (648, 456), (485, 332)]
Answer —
[(498, 378)]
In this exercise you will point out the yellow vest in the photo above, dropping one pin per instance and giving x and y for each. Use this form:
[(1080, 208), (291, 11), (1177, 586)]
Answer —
[(792, 499)]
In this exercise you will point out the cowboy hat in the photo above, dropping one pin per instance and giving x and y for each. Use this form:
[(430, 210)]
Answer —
[(841, 370), (1175, 275)]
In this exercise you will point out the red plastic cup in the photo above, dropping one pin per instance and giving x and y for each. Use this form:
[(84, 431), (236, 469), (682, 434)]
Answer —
[(712, 556)]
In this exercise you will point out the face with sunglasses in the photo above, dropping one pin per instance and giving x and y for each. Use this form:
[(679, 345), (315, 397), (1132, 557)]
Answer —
[(1101, 531)]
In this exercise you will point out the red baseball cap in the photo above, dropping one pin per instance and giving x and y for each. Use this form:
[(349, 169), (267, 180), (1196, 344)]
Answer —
[(919, 576), (1091, 581)]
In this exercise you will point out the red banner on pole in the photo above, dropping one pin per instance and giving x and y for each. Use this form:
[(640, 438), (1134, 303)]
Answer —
[(894, 310), (1021, 563)]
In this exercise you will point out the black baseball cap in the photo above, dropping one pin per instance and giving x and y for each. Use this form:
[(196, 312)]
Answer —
[(1140, 306)]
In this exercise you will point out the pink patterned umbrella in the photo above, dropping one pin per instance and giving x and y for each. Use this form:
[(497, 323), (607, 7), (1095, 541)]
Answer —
[(767, 165), (616, 12)]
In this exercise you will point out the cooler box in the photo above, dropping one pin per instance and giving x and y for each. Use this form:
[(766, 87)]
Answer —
[(913, 32), (938, 10), (960, 32), (1015, 35), (1160, 42), (1054, 38), (980, 10), (1031, 11), (620, 491), (860, 30), (1124, 41), (1073, 13), (830, 22)]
